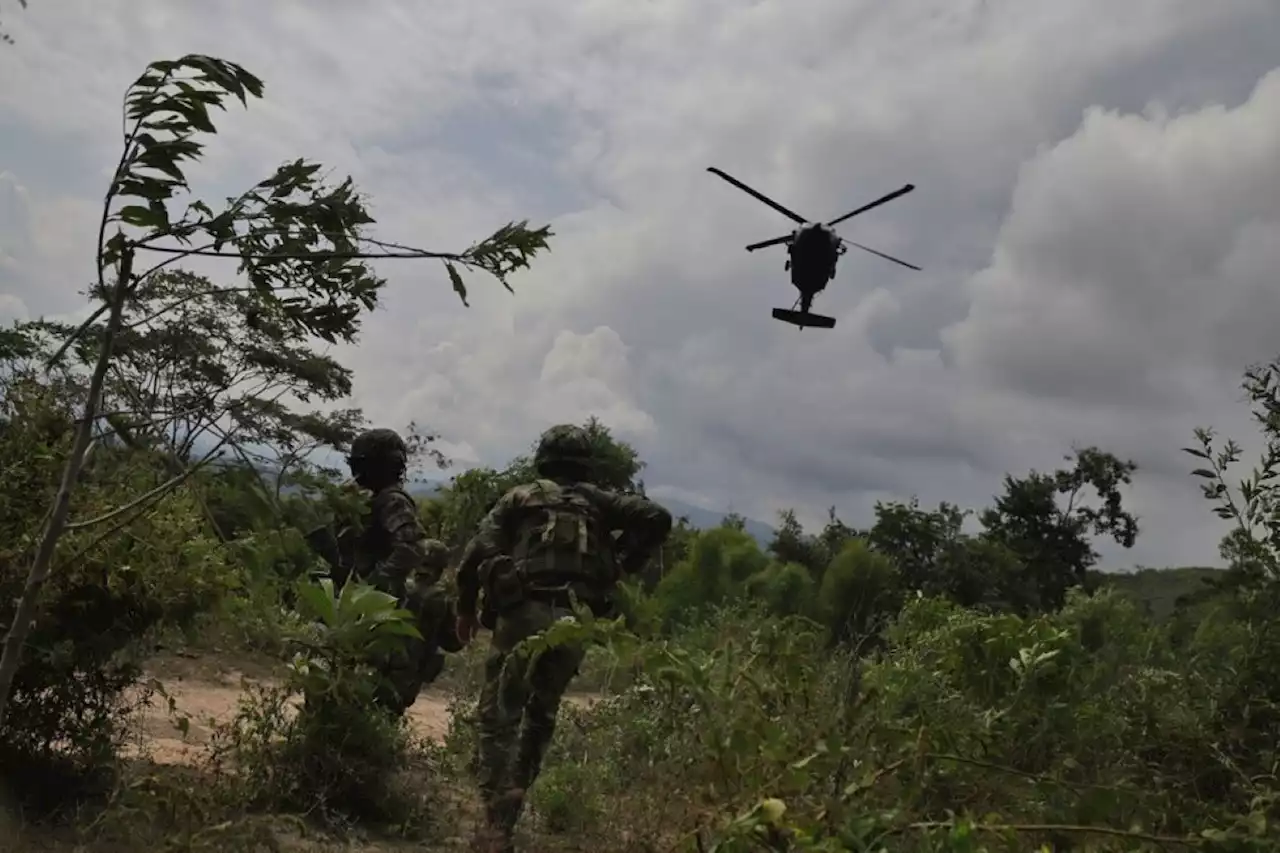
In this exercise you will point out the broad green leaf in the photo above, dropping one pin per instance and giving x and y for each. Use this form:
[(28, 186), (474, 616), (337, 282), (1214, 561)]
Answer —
[(316, 600), (142, 217)]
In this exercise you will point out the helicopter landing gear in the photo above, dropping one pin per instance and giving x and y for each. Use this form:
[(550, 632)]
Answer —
[(804, 318)]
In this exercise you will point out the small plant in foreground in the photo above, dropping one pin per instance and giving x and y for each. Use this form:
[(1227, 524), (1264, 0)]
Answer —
[(319, 743)]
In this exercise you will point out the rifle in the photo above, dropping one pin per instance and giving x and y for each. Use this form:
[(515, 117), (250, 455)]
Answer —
[(337, 550)]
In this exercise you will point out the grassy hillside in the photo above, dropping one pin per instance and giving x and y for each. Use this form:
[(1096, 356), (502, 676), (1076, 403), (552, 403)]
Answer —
[(1158, 590)]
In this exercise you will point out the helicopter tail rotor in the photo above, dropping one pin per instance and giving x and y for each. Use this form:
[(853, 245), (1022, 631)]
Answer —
[(793, 216), (882, 200)]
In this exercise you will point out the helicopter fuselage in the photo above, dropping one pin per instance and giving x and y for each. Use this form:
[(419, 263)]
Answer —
[(814, 250)]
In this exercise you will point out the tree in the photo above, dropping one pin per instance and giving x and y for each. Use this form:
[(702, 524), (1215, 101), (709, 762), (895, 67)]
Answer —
[(1053, 539), (792, 545), (452, 516), (195, 364), (617, 463), (835, 535), (716, 569), (917, 540), (786, 589), (301, 246), (1251, 548), (860, 589), (113, 591)]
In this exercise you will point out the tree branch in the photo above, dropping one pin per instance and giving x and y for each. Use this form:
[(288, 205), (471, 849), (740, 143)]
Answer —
[(158, 492), (28, 604), (415, 254)]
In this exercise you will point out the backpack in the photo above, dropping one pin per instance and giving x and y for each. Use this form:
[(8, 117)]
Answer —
[(560, 541)]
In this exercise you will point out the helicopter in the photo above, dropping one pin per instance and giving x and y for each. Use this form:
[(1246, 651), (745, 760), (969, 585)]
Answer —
[(813, 248)]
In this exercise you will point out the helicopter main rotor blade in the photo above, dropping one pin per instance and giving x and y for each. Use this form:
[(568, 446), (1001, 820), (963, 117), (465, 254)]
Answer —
[(883, 255), (795, 217), (890, 197), (774, 242)]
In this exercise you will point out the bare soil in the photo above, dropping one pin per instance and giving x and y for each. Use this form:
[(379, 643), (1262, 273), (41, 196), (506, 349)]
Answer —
[(207, 690)]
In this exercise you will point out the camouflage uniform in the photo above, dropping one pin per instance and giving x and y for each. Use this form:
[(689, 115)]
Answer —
[(395, 556), (542, 544)]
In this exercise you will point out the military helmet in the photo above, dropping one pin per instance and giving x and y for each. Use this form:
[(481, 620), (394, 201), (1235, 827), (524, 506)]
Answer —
[(379, 445), (437, 555), (565, 445)]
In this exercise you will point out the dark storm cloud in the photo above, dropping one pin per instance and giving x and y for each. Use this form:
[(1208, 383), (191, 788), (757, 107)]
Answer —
[(1094, 273)]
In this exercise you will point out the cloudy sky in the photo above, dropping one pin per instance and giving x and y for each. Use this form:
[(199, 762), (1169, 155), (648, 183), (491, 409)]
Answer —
[(1096, 213)]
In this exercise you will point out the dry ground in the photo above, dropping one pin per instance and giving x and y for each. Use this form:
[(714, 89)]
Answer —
[(206, 689)]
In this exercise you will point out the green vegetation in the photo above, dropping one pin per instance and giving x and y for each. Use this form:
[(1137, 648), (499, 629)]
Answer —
[(905, 687)]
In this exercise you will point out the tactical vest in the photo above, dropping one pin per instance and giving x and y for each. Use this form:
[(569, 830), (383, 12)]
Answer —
[(559, 540)]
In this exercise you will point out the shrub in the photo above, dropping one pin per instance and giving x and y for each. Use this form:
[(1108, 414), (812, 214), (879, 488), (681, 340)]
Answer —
[(859, 590), (785, 589), (319, 743), (109, 598), (715, 570)]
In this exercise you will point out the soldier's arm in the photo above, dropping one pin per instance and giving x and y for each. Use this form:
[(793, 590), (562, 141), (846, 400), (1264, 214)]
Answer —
[(491, 538), (399, 518), (646, 524)]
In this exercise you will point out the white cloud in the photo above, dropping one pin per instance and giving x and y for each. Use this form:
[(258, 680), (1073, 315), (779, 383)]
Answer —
[(1095, 215)]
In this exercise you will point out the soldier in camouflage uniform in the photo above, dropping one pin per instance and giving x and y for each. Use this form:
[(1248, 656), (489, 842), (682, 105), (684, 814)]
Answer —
[(395, 556), (543, 544)]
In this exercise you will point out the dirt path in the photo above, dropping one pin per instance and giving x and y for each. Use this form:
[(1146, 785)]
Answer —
[(207, 691)]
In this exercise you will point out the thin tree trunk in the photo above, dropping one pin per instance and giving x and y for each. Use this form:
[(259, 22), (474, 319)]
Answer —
[(24, 616)]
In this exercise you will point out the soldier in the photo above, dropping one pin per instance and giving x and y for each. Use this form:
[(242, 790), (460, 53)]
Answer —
[(395, 556), (543, 544)]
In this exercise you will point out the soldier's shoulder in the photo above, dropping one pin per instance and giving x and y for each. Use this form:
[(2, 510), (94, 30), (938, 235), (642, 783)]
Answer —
[(591, 491), (527, 491), (393, 497)]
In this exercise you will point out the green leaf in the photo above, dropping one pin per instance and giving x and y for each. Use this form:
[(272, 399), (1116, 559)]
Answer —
[(458, 286), (144, 217), (316, 600), (400, 628)]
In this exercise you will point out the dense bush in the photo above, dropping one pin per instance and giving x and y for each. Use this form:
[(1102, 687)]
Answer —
[(110, 597), (1082, 725)]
